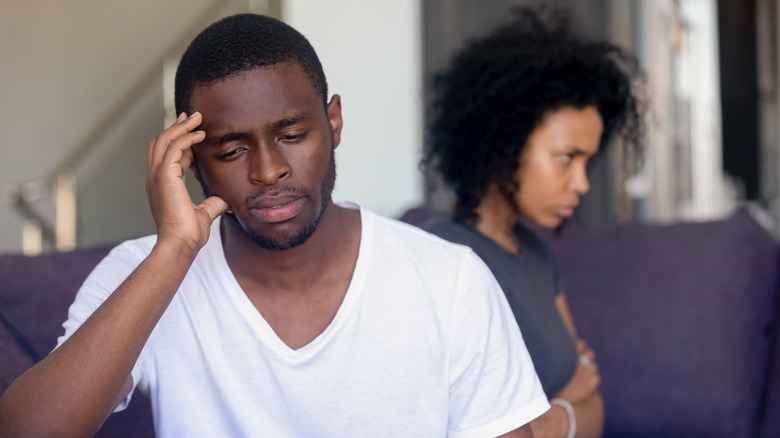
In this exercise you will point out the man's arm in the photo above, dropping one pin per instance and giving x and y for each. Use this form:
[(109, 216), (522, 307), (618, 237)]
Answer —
[(73, 390), (493, 378), (521, 432)]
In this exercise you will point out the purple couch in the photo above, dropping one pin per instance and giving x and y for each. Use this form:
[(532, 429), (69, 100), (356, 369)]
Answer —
[(683, 319), (35, 293)]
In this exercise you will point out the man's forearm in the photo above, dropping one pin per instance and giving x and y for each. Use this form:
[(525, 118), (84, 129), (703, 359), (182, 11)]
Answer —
[(74, 389)]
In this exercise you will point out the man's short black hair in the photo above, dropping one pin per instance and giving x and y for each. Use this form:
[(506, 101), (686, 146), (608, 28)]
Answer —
[(240, 43), (499, 88)]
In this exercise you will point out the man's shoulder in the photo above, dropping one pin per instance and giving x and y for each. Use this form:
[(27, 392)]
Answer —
[(124, 257), (417, 246), (414, 234), (139, 246)]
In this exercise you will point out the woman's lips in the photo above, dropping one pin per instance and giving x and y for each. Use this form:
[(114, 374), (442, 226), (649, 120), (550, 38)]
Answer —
[(285, 210), (565, 211)]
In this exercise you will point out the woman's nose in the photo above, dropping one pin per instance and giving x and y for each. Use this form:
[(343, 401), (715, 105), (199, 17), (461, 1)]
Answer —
[(579, 180)]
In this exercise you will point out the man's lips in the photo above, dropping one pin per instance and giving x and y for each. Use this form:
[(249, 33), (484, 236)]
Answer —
[(280, 209)]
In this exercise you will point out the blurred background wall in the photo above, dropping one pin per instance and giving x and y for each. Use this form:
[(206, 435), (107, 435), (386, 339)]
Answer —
[(86, 84)]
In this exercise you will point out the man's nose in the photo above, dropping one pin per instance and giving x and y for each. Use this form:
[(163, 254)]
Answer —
[(269, 165)]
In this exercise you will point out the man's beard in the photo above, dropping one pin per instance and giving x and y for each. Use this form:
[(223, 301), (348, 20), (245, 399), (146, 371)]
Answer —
[(277, 244)]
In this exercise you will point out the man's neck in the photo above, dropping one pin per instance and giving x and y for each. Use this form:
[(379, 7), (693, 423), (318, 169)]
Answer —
[(329, 248), (298, 291)]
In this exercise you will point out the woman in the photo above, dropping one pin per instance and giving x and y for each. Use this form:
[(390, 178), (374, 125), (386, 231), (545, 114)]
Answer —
[(513, 122)]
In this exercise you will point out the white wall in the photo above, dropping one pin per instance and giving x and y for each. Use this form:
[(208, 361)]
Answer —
[(64, 64), (370, 52)]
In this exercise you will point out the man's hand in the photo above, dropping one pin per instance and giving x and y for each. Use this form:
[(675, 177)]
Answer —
[(73, 390), (169, 156)]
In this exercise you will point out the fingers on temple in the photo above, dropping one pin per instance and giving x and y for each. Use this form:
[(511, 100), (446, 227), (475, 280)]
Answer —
[(186, 159), (178, 136)]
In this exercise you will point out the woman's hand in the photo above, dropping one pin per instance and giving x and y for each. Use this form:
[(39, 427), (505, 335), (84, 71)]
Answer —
[(582, 392), (586, 378)]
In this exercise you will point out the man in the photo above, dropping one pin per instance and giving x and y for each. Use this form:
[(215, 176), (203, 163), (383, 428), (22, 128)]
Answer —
[(268, 310)]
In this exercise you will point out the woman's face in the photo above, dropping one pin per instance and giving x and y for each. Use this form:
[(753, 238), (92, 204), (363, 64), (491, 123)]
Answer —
[(552, 173)]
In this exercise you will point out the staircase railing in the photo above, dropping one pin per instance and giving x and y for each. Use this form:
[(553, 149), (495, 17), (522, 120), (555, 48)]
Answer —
[(60, 184)]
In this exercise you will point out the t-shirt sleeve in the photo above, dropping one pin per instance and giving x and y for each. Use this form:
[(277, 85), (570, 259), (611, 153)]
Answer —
[(494, 388), (101, 282)]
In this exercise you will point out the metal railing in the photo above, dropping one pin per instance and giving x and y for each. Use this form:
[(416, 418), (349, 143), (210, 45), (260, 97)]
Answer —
[(60, 185)]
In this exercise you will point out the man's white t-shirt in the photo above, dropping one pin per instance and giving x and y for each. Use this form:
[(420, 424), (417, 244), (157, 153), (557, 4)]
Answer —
[(423, 345)]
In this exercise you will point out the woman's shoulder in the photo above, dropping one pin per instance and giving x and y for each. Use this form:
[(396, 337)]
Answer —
[(449, 227), (531, 241)]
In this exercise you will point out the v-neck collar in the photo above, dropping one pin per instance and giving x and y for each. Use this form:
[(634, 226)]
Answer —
[(263, 329)]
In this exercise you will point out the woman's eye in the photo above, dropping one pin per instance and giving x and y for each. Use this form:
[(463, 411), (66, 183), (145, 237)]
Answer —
[(565, 158)]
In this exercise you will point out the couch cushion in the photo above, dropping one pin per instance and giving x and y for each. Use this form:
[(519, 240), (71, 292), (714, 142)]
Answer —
[(14, 360), (770, 418), (679, 317), (35, 293)]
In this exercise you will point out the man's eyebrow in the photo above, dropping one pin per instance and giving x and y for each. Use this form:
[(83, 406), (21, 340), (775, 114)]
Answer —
[(273, 126), (220, 140), (289, 121)]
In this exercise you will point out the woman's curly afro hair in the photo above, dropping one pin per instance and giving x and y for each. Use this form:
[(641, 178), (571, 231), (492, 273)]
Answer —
[(498, 89)]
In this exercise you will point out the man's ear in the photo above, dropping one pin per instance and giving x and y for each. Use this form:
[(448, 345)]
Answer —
[(334, 118)]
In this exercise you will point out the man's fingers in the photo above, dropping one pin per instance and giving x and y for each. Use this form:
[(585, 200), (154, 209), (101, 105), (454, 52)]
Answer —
[(150, 147), (175, 152), (186, 159), (214, 206), (160, 144)]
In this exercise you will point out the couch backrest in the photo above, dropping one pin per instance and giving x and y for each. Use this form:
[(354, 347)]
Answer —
[(36, 292), (681, 318)]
